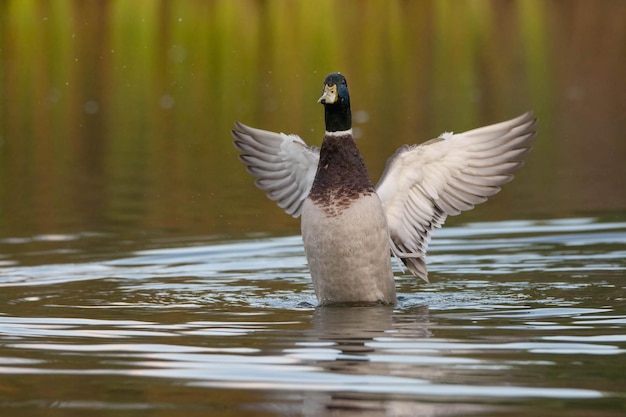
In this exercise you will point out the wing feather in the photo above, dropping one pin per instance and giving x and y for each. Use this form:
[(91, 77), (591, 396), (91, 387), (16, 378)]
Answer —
[(422, 185), (283, 165)]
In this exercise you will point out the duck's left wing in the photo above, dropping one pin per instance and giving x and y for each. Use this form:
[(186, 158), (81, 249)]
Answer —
[(423, 184), (283, 165)]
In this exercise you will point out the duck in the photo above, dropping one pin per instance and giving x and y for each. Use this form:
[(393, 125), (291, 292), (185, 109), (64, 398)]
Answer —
[(352, 228)]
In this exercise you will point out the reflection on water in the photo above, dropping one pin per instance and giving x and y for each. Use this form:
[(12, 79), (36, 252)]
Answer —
[(515, 326), (116, 115)]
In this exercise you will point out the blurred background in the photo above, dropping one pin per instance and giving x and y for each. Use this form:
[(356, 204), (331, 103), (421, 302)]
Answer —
[(115, 116)]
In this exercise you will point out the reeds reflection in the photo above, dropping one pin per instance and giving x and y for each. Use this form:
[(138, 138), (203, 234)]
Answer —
[(116, 114)]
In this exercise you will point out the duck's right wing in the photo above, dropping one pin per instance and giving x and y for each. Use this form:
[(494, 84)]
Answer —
[(423, 184), (283, 165)]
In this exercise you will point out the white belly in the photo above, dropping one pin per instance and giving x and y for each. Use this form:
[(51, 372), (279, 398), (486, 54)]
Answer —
[(348, 252)]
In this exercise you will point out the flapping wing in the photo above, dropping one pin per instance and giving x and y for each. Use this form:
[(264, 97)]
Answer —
[(423, 184), (283, 165)]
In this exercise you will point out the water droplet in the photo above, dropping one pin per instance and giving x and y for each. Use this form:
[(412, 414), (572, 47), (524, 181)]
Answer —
[(91, 107), (361, 116), (166, 101), (177, 53)]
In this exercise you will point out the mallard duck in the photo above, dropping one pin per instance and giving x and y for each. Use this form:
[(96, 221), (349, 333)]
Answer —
[(349, 227)]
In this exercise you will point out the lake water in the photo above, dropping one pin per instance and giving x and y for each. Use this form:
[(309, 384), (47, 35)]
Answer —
[(523, 318), (142, 274)]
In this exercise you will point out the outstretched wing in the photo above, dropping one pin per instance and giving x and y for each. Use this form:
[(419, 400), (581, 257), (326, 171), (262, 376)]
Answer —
[(283, 165), (423, 184)]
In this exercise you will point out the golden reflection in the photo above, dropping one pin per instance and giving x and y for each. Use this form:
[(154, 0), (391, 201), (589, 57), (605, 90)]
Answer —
[(116, 114)]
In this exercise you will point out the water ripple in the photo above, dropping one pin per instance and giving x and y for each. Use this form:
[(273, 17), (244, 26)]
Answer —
[(508, 301)]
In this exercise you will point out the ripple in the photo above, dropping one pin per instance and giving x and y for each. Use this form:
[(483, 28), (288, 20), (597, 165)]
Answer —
[(508, 301)]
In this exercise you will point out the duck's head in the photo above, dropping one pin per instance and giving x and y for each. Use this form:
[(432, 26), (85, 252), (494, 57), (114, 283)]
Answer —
[(336, 101)]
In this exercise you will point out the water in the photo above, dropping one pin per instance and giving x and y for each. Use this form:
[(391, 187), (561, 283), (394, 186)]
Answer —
[(143, 274), (522, 318)]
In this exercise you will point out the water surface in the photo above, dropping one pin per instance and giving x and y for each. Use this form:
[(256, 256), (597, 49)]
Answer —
[(522, 318)]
